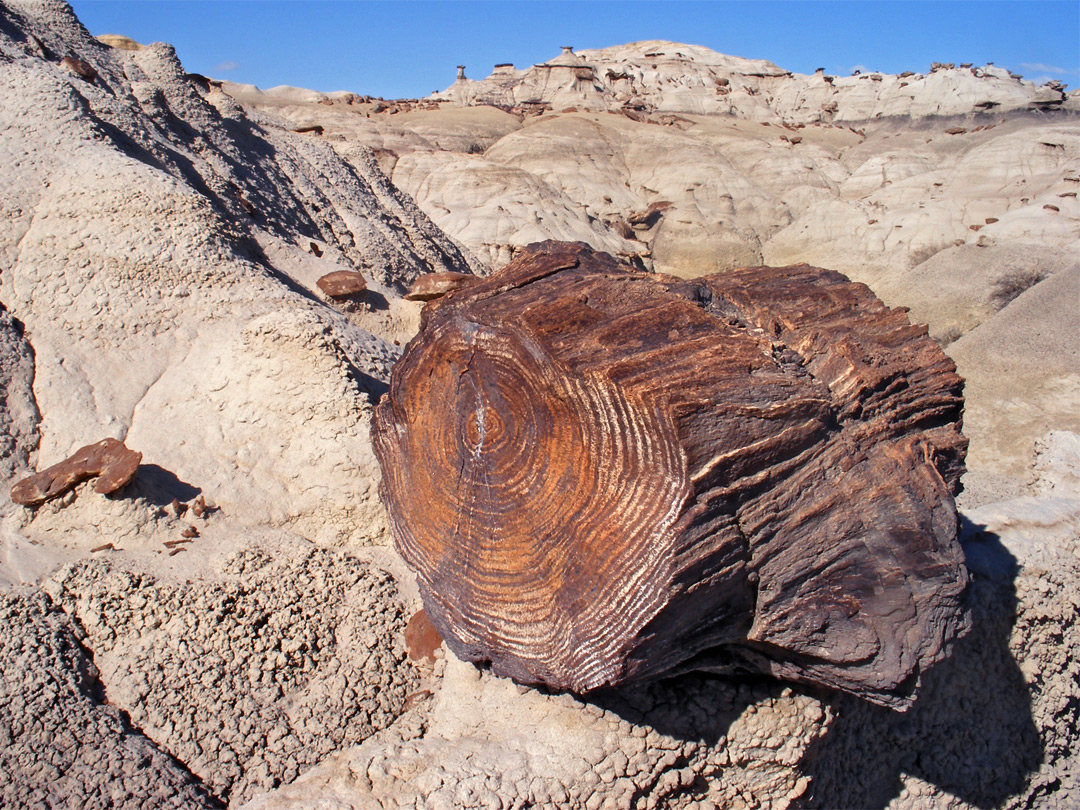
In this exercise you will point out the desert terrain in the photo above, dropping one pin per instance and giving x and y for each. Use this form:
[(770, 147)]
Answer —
[(228, 629)]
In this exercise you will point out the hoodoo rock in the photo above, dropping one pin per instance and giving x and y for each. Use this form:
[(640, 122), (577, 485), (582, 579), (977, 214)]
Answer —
[(109, 460), (601, 475)]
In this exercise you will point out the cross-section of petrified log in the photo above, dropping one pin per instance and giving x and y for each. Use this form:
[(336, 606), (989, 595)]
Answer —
[(601, 475), (109, 460)]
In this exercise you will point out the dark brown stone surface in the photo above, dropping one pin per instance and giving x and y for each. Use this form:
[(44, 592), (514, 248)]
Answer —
[(84, 70), (602, 475), (342, 283), (435, 285), (109, 460)]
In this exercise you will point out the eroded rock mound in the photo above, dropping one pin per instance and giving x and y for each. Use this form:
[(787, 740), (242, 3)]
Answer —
[(601, 476)]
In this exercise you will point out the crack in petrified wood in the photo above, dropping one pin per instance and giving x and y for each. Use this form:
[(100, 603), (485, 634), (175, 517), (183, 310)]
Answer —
[(602, 475)]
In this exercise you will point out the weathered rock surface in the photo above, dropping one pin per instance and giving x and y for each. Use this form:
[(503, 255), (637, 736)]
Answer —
[(283, 656), (600, 476), (19, 415), (1023, 367), (113, 464), (160, 286), (61, 743), (483, 742), (153, 249)]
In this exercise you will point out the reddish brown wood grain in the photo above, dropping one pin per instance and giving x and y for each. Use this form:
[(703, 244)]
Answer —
[(601, 475)]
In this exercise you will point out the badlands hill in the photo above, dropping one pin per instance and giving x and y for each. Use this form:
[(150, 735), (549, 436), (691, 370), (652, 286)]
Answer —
[(228, 629)]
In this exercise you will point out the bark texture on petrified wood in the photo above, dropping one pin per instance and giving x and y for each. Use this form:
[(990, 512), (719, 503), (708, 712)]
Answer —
[(601, 475)]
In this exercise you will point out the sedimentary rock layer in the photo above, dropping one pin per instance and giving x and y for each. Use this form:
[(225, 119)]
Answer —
[(601, 475)]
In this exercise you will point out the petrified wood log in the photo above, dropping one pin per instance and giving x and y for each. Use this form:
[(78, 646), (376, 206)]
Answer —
[(601, 475), (113, 464)]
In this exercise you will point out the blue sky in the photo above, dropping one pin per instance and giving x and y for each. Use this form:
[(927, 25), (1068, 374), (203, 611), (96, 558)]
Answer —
[(409, 48)]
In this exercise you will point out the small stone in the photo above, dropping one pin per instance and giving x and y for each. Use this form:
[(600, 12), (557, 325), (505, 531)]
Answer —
[(421, 638)]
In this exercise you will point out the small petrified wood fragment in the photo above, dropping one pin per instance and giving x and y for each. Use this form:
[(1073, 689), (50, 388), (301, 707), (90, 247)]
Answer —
[(342, 283), (76, 66), (435, 285), (109, 460), (601, 475)]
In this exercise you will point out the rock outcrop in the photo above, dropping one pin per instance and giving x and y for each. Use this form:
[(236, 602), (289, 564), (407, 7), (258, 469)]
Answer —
[(153, 250), (61, 743), (931, 221), (601, 476)]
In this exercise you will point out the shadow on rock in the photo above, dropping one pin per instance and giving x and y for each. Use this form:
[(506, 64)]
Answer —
[(158, 486), (691, 707), (970, 733), (376, 301)]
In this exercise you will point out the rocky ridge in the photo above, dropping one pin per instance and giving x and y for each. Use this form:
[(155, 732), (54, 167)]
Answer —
[(672, 77)]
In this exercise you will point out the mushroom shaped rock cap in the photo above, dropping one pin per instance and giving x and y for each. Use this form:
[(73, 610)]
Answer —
[(601, 475), (342, 283), (435, 285)]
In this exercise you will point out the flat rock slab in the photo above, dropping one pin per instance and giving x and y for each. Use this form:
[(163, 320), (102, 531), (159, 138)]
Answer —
[(602, 475)]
